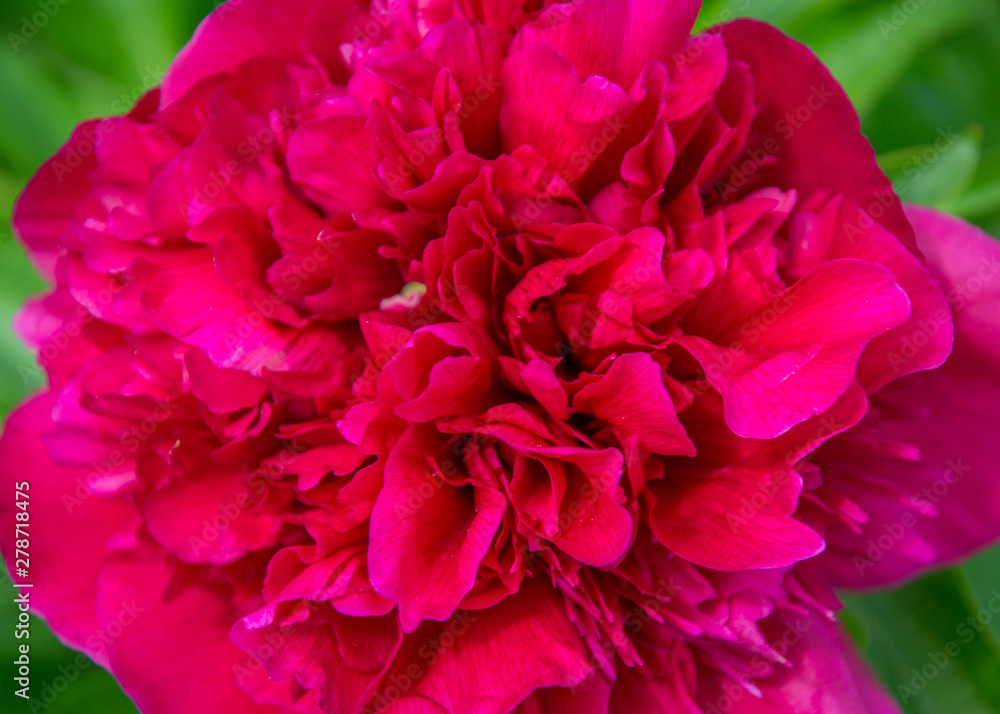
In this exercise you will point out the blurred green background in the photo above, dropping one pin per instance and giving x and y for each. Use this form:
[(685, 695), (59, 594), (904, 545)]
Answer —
[(914, 68)]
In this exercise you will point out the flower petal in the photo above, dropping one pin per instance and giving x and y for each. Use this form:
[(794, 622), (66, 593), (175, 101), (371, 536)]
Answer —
[(183, 639), (806, 121), (427, 536), (632, 399), (70, 528), (487, 661), (733, 519), (613, 38), (949, 414), (778, 362)]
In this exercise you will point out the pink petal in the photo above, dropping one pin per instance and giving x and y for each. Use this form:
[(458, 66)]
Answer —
[(487, 661), (244, 30), (826, 675), (824, 152), (938, 412), (593, 524), (794, 355), (159, 644), (733, 519), (56, 194), (70, 528), (615, 39), (210, 517), (427, 536), (547, 106), (331, 160), (632, 399), (842, 230), (184, 296), (340, 658)]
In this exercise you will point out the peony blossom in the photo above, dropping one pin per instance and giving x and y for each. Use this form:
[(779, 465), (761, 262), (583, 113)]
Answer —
[(461, 357)]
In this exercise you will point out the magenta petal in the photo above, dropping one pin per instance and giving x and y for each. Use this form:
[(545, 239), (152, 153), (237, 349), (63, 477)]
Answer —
[(613, 38), (185, 639), (825, 675), (546, 105), (183, 294), (840, 229), (331, 159), (184, 516), (427, 536), (222, 390), (632, 399), (733, 519), (937, 412), (339, 657), (599, 529), (244, 30), (966, 261), (827, 153), (53, 197), (487, 661), (70, 527), (772, 378)]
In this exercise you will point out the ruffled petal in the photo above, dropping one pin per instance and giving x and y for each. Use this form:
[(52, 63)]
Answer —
[(631, 398), (936, 412), (245, 30), (487, 661), (183, 639), (807, 127), (70, 528), (615, 39), (826, 675), (793, 355), (428, 536), (734, 519)]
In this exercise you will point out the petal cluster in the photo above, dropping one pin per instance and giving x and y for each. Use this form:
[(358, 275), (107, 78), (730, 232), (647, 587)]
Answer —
[(476, 357)]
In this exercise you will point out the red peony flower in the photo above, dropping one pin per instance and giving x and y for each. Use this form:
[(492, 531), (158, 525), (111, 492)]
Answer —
[(486, 357)]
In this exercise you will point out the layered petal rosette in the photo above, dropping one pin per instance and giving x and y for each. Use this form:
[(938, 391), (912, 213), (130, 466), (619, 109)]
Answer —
[(468, 358)]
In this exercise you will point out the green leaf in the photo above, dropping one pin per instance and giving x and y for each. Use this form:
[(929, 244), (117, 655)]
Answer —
[(868, 50), (937, 174), (920, 642), (983, 198), (62, 680), (789, 16)]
